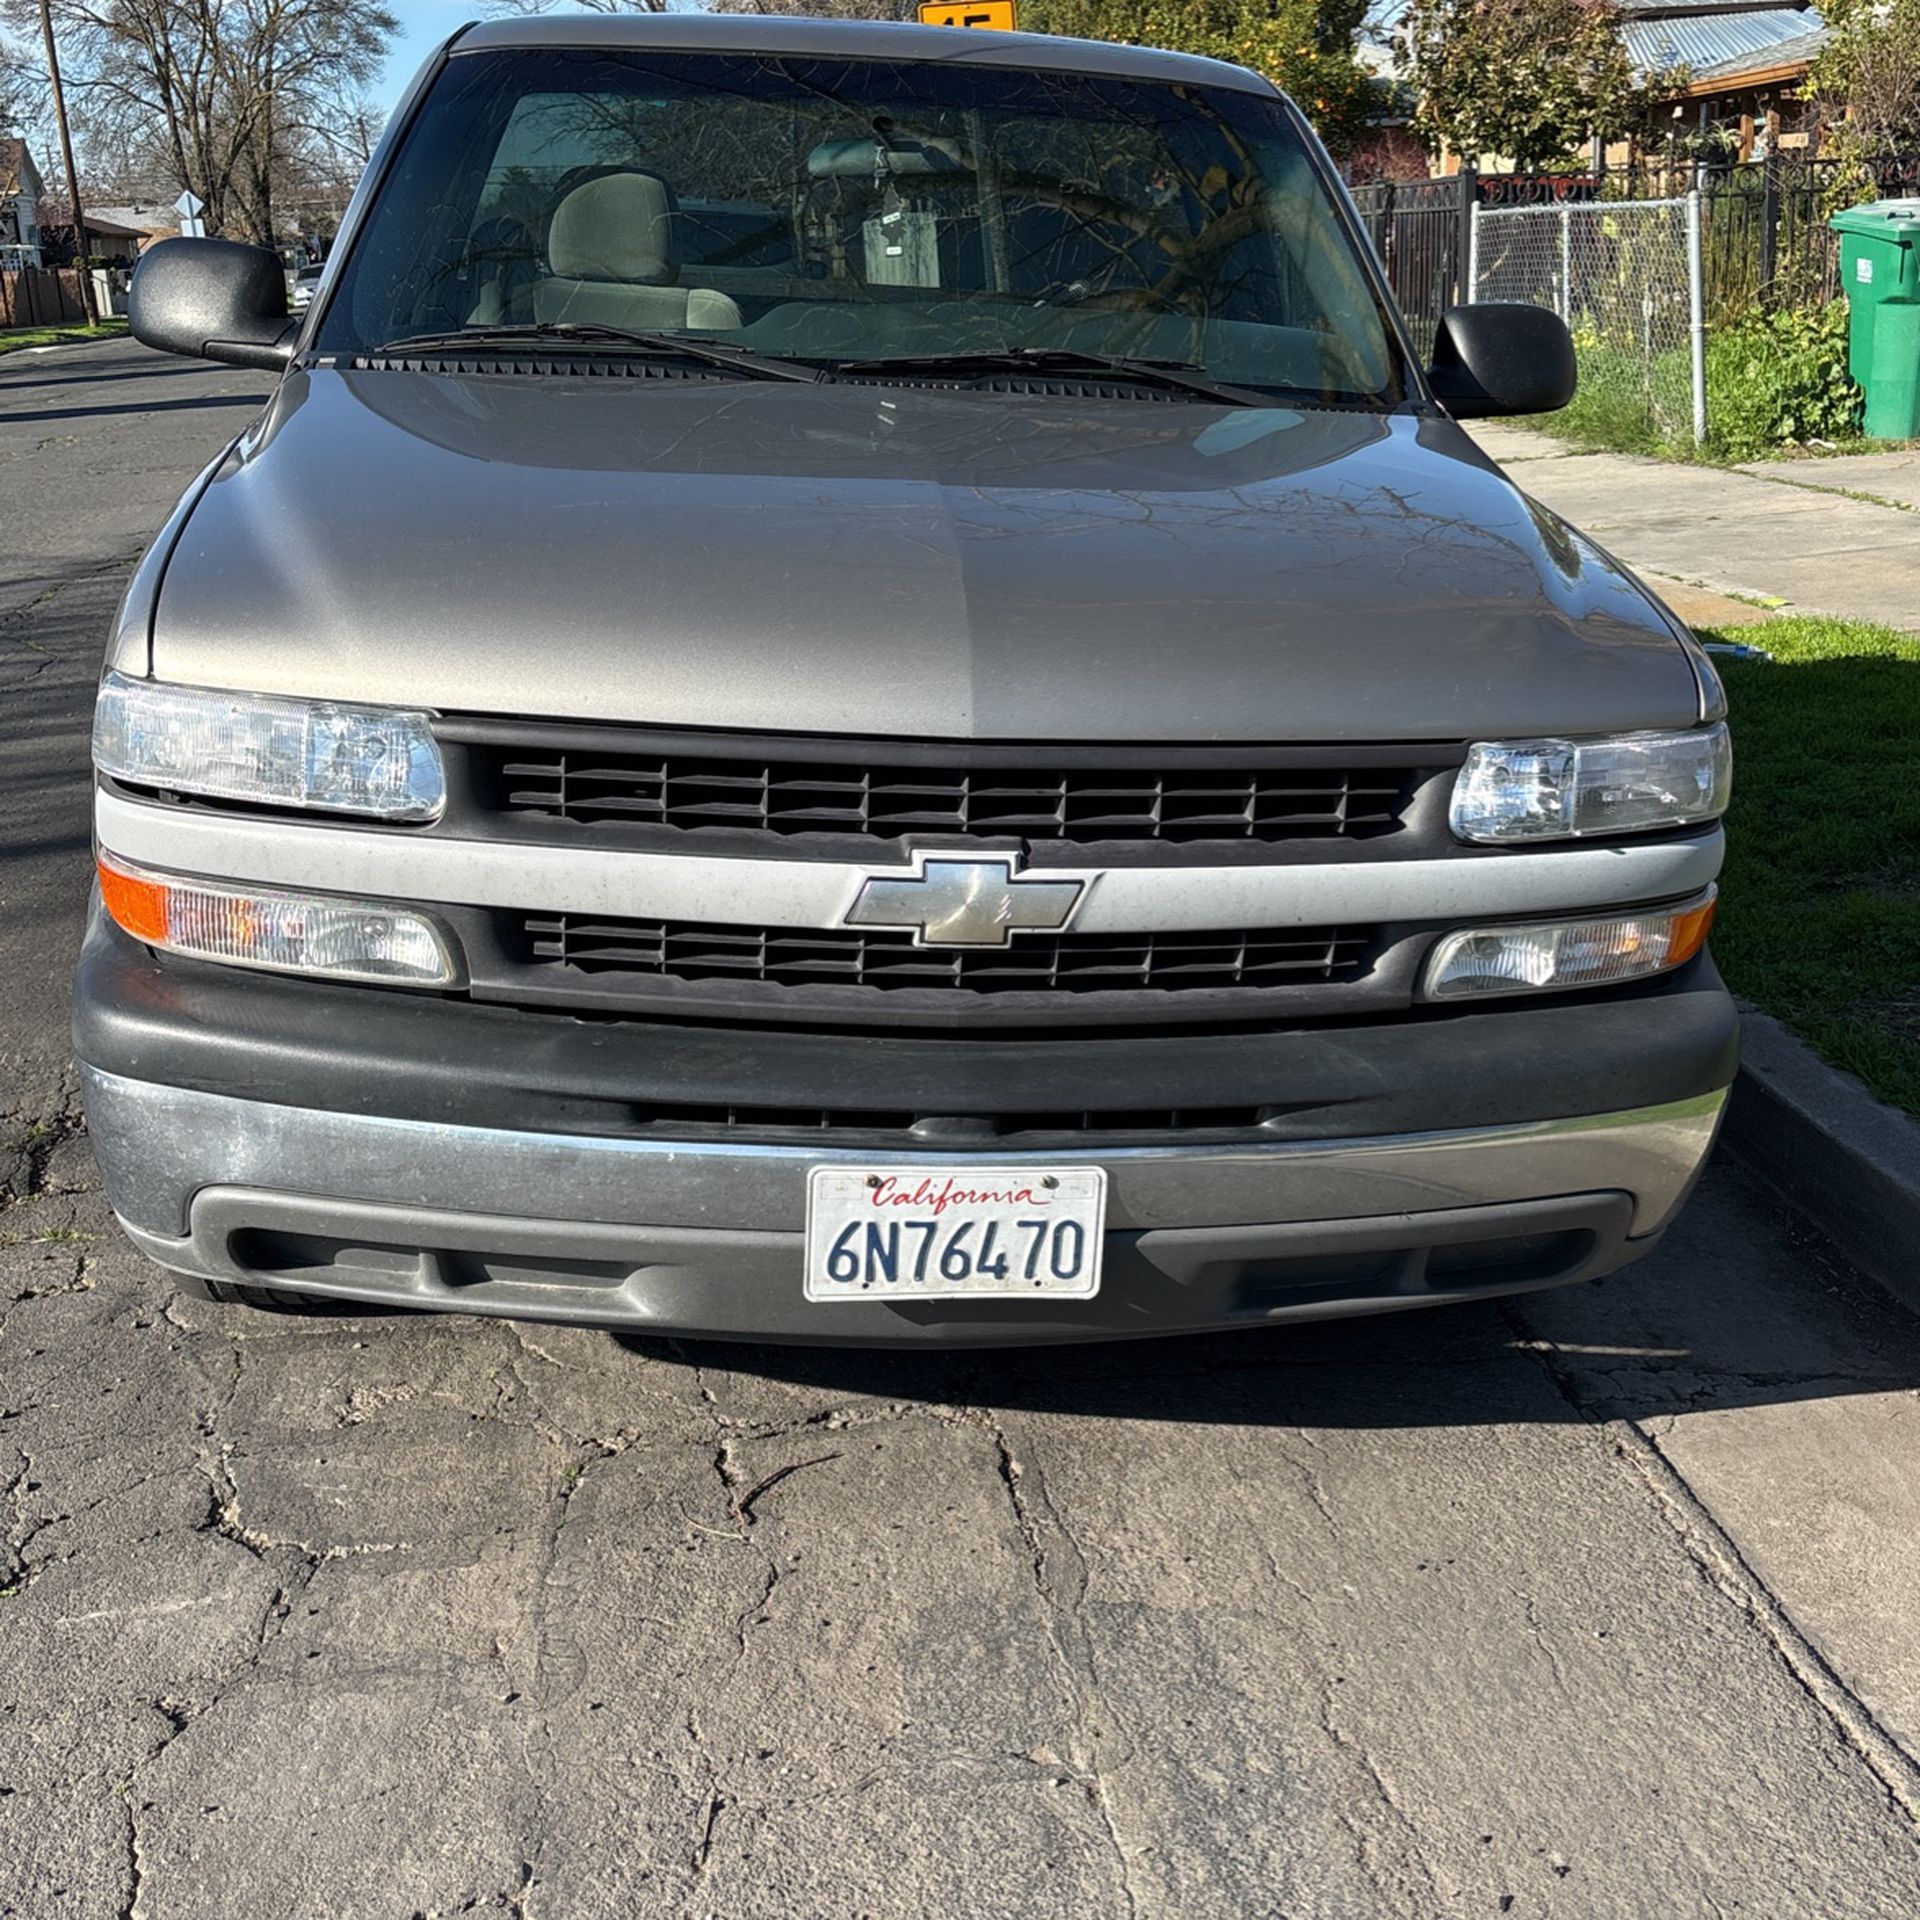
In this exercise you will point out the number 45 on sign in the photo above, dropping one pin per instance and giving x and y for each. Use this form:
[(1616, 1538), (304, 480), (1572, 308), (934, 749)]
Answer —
[(997, 14)]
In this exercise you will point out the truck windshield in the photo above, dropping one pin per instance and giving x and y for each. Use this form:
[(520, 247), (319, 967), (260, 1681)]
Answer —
[(842, 211)]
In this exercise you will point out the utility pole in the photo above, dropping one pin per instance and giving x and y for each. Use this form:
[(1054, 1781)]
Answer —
[(73, 177)]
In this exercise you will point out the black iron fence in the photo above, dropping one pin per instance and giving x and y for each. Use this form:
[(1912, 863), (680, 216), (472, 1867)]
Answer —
[(1764, 225), (1419, 230)]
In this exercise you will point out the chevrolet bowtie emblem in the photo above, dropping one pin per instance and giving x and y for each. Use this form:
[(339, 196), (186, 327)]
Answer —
[(965, 900)]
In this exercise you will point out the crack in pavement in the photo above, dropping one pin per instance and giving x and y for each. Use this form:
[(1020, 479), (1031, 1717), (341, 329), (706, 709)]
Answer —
[(1037, 1519), (1721, 1565), (1397, 1888)]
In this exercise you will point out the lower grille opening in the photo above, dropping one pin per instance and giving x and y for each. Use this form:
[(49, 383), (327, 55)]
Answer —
[(319, 1259), (1525, 1256), (1511, 1260)]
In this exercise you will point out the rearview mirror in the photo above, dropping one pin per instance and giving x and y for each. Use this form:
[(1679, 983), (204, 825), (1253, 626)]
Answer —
[(216, 299), (1496, 357)]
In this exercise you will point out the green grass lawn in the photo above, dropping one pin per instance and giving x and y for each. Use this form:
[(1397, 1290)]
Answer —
[(12, 339), (1819, 917)]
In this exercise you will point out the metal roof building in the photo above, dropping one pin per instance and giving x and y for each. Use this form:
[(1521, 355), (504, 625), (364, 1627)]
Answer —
[(1716, 38)]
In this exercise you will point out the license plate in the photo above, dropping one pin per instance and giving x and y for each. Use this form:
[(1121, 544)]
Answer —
[(897, 1233)]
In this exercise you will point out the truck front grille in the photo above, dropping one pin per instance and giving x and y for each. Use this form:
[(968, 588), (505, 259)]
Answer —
[(594, 786), (1072, 963)]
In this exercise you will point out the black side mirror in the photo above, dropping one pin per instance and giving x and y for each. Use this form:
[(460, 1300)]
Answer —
[(1495, 357), (215, 299)]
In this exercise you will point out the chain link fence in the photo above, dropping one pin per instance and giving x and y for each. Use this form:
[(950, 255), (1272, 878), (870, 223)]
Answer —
[(1625, 275)]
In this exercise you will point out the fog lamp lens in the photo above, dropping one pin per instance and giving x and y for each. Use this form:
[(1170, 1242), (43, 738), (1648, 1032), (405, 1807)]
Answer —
[(321, 934), (1553, 956)]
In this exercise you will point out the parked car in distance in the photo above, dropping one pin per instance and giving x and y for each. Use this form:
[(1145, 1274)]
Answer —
[(911, 721), (305, 282)]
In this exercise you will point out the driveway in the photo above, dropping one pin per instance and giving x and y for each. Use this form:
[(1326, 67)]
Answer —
[(1598, 1606)]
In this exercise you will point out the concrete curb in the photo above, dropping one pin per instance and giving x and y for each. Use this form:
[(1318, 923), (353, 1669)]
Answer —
[(1848, 1162)]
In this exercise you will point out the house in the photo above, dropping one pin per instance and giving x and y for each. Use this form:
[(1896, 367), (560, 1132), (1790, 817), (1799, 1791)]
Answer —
[(123, 234), (21, 190), (1739, 67)]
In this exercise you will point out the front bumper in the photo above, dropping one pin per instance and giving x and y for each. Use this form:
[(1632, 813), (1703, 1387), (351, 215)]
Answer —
[(706, 1240), (395, 1149)]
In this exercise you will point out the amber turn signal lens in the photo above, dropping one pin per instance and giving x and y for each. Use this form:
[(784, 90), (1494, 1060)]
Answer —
[(136, 903), (1690, 930)]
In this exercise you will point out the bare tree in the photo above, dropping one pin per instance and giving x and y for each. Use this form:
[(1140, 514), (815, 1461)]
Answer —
[(16, 88), (584, 6), (222, 96), (818, 9)]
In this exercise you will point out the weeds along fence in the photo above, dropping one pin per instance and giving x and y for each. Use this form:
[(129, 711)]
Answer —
[(1768, 242), (1627, 276)]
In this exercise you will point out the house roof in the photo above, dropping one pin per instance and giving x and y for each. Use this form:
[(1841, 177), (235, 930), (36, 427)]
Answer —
[(1800, 50), (16, 166), (133, 223), (1722, 38)]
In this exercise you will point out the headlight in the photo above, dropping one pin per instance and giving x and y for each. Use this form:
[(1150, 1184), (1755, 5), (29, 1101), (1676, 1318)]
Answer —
[(282, 753), (1574, 789), (1557, 954), (286, 932)]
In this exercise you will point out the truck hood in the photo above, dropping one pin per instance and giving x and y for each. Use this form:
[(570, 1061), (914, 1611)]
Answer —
[(895, 561)]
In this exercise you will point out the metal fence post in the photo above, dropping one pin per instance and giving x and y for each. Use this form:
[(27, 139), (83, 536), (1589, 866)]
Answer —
[(1769, 227), (1467, 256), (1566, 263), (1697, 317)]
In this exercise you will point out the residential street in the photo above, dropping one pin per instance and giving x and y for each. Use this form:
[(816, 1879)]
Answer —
[(1599, 1607)]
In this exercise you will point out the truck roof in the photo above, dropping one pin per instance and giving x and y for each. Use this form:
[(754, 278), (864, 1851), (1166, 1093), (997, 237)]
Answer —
[(853, 40)]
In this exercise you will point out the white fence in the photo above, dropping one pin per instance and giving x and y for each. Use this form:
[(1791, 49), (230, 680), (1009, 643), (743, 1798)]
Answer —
[(1625, 275)]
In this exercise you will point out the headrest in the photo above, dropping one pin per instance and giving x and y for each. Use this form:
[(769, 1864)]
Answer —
[(618, 227)]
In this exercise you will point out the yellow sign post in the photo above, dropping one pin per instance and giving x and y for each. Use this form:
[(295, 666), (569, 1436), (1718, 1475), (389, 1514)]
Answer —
[(997, 14)]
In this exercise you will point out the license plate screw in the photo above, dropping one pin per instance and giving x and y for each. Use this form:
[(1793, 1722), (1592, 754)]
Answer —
[(1048, 1180), (873, 1179)]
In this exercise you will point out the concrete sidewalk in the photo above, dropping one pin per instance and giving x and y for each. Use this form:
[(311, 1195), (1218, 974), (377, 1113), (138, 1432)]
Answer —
[(1838, 536)]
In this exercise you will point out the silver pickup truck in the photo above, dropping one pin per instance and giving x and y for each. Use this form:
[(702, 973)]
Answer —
[(856, 689)]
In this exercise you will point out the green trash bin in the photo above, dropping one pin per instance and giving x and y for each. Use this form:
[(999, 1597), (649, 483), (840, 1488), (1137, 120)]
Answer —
[(1880, 270)]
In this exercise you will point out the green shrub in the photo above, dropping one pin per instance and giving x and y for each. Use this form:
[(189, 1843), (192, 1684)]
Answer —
[(1780, 379)]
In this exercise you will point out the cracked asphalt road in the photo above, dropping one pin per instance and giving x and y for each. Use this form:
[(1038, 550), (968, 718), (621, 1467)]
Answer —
[(1596, 1607)]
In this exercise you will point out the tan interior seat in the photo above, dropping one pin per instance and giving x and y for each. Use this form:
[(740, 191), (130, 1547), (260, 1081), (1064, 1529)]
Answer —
[(614, 261)]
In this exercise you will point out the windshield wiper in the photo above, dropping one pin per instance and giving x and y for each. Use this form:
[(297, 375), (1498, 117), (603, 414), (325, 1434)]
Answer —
[(591, 335), (1177, 376)]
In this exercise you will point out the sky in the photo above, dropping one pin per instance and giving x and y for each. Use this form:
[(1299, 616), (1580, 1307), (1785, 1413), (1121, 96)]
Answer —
[(423, 25)]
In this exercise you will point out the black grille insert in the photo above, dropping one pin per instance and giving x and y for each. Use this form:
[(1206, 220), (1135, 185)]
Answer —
[(928, 1132), (881, 802), (1034, 963)]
